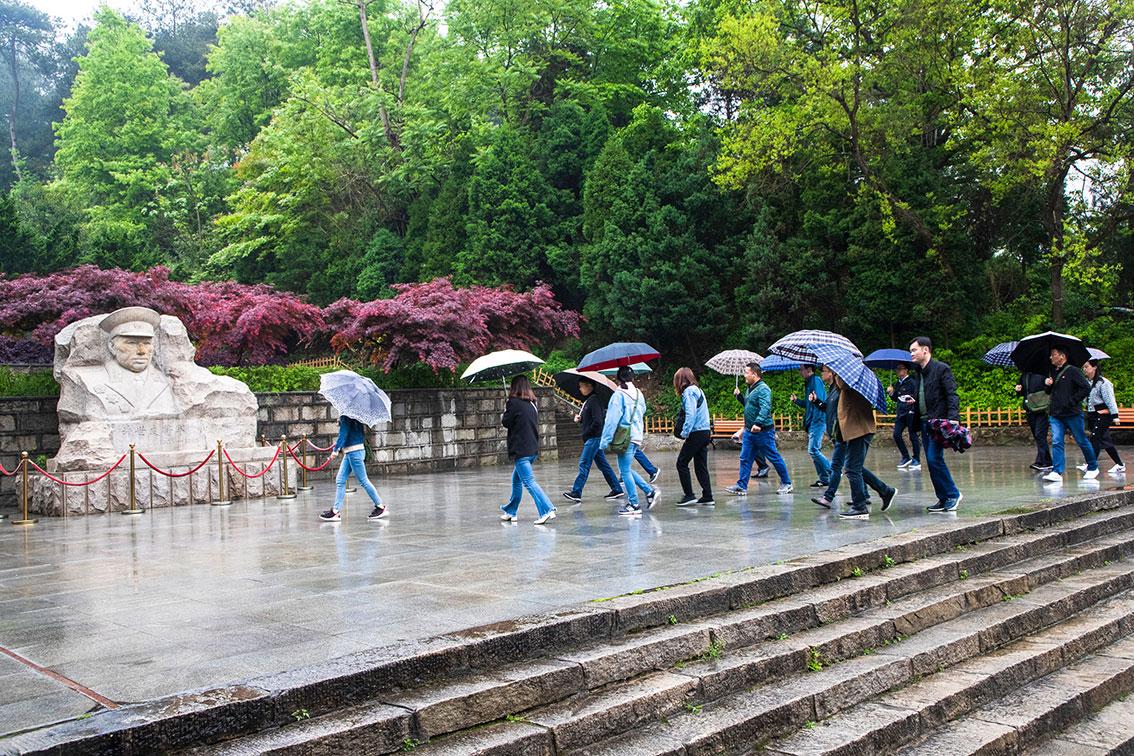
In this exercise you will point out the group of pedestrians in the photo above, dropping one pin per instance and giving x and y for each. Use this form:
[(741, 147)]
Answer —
[(925, 395)]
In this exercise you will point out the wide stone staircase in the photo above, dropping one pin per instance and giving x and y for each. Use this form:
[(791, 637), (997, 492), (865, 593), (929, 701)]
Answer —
[(1012, 634)]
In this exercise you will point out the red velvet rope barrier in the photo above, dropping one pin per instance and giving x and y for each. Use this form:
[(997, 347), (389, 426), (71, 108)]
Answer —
[(305, 467), (247, 475), (79, 485), (168, 474), (319, 448), (5, 473)]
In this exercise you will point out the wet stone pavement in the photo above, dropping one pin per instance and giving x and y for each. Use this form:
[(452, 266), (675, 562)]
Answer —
[(131, 608)]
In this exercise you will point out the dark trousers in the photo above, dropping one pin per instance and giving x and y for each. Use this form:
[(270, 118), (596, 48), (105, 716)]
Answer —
[(695, 448), (1100, 435), (908, 423), (1037, 421), (857, 449)]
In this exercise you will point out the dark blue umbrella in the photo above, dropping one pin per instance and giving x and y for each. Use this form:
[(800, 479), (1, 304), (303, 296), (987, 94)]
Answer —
[(774, 363), (1001, 354), (854, 372), (888, 359), (618, 354)]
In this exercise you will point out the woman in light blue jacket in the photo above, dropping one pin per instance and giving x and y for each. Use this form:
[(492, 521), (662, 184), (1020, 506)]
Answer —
[(697, 434), (628, 407)]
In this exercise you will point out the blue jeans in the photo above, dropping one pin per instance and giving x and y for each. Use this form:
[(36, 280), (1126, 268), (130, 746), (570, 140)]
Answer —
[(762, 445), (838, 461), (589, 455), (1059, 428), (523, 477), (943, 484), (907, 423), (645, 462), (630, 476), (815, 449), (857, 449), (355, 462)]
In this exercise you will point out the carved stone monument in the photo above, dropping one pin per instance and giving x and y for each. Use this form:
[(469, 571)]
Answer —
[(128, 377)]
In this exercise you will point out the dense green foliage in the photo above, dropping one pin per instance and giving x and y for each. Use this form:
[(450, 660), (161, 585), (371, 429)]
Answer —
[(699, 175)]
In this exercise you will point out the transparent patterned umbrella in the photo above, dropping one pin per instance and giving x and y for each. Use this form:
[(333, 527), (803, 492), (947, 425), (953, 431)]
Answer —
[(355, 396), (797, 345), (732, 362)]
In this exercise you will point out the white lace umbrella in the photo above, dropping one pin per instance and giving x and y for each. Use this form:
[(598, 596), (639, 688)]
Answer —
[(355, 396), (796, 346), (732, 362)]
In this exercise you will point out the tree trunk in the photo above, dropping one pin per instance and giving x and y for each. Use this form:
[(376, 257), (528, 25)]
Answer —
[(14, 110), (1053, 225), (387, 128)]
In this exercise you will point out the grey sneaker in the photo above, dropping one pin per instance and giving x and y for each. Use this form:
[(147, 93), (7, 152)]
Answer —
[(914, 466), (822, 501), (737, 490), (786, 488)]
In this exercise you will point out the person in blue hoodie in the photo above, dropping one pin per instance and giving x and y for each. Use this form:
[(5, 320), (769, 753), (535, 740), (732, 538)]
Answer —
[(814, 422), (628, 407), (697, 434), (351, 443)]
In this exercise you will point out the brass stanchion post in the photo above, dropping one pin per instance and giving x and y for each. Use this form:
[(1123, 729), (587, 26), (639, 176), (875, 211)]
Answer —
[(304, 485), (133, 510), (27, 520), (220, 501), (285, 491)]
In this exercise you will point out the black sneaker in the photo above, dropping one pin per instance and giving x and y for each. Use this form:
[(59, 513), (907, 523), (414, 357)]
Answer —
[(687, 500), (654, 476), (330, 516), (572, 496), (762, 472), (822, 501), (376, 513), (855, 514), (651, 497), (818, 484), (706, 501), (614, 495), (888, 498)]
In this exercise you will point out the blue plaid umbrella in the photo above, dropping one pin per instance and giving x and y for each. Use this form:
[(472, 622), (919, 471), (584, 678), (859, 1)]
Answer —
[(1001, 354), (854, 372), (794, 346), (774, 363), (888, 359)]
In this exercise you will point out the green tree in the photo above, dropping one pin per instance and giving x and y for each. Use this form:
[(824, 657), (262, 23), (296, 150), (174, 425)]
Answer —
[(25, 34), (125, 120)]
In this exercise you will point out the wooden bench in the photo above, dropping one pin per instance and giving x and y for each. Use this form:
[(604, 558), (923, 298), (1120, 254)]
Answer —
[(1126, 416), (725, 428)]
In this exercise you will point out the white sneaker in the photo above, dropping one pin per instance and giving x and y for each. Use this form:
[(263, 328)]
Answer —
[(786, 488), (1081, 468), (1053, 477), (507, 517), (904, 465), (1091, 474), (543, 520), (1117, 469), (914, 466)]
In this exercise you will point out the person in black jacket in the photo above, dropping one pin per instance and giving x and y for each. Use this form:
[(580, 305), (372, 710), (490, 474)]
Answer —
[(904, 394), (1030, 384), (1068, 388), (936, 399), (522, 421), (591, 418)]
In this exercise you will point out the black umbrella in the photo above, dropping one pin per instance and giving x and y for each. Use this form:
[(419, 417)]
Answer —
[(1033, 354), (568, 380)]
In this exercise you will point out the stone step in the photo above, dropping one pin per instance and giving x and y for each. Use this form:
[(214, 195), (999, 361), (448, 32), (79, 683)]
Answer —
[(1110, 730), (893, 720), (1031, 714), (739, 717), (442, 672)]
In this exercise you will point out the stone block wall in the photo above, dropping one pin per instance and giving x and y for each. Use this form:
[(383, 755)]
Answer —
[(431, 429)]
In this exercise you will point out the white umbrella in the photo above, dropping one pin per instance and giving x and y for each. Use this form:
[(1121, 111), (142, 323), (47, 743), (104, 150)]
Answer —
[(502, 364), (796, 346), (355, 396), (732, 362)]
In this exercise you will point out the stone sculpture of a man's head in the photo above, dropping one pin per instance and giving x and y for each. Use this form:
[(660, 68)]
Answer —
[(130, 336)]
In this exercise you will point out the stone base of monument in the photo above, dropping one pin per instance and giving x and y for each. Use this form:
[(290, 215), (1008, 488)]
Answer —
[(152, 490)]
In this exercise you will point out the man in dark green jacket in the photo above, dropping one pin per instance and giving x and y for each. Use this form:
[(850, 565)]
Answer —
[(758, 437)]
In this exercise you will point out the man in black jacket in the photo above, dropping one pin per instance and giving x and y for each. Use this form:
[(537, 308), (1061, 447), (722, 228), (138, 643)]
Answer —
[(904, 394), (1029, 386), (1068, 388), (591, 418), (936, 399)]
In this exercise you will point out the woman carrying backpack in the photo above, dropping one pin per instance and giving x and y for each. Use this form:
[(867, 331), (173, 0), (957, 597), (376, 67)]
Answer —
[(522, 421), (623, 433), (694, 428), (1102, 411)]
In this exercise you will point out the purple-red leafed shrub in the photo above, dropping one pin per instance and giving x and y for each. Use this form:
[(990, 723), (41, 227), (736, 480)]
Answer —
[(23, 352), (440, 325), (231, 323)]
